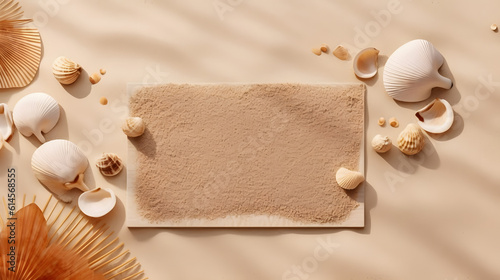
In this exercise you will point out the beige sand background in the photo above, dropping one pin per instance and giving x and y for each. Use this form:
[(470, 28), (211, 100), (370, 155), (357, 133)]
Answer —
[(434, 216)]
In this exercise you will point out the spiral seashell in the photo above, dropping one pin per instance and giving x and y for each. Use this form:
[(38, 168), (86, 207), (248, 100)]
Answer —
[(36, 113), (381, 144), (412, 71), (59, 165), (65, 70), (133, 126), (348, 179), (109, 164), (411, 140)]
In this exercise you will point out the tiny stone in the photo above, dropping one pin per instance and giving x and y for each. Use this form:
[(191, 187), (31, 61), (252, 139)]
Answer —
[(324, 48), (381, 121), (102, 71), (95, 78), (316, 51)]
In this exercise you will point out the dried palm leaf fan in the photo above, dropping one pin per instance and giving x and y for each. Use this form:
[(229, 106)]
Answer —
[(57, 242), (20, 47)]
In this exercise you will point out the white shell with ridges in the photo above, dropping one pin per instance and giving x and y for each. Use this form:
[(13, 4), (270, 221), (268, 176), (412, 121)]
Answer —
[(65, 70), (436, 117), (348, 179), (133, 126), (411, 72), (411, 140), (6, 122), (36, 113), (365, 63), (97, 202), (59, 165)]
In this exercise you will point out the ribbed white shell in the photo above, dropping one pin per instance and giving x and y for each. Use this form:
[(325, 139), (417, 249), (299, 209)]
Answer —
[(6, 121), (36, 113), (412, 71), (65, 70), (57, 163), (348, 179)]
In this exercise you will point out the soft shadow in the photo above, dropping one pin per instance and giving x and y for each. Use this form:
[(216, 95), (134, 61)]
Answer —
[(456, 129), (382, 59), (81, 87), (89, 178), (116, 218), (60, 131), (427, 158), (146, 138), (119, 180)]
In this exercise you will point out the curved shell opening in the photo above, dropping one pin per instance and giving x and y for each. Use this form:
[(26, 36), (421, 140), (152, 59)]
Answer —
[(366, 63), (436, 117), (97, 202)]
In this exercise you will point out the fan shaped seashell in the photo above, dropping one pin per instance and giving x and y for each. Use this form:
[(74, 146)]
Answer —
[(412, 71), (436, 117), (109, 164), (36, 113), (20, 47), (133, 126), (65, 70), (411, 140), (341, 52), (381, 144), (348, 179), (59, 165), (6, 122), (366, 63), (97, 202)]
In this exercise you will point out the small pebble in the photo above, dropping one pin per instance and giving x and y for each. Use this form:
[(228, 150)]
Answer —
[(316, 51), (324, 48), (494, 27), (103, 100), (95, 78), (102, 71), (381, 121), (393, 122)]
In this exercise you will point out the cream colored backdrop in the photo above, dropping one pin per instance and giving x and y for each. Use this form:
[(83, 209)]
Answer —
[(433, 216)]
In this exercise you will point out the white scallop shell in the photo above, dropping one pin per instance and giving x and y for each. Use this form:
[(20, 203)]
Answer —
[(97, 202), (133, 126), (36, 113), (65, 70), (412, 71), (436, 117), (365, 63), (59, 165), (411, 140), (348, 179), (381, 144), (6, 122)]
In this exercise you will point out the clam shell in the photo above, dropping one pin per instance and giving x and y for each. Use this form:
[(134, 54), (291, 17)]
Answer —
[(109, 164), (20, 47), (412, 71), (436, 117), (411, 140), (97, 202), (59, 165), (6, 122), (65, 70), (348, 179), (341, 52), (366, 63), (133, 126), (381, 144), (36, 113)]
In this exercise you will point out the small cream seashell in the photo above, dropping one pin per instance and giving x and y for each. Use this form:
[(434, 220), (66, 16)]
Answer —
[(316, 51), (436, 117), (97, 202), (393, 122), (59, 165), (109, 164), (411, 72), (366, 63), (95, 78), (381, 144), (6, 122), (133, 126), (65, 70), (411, 140), (341, 52), (348, 179), (381, 121), (36, 113)]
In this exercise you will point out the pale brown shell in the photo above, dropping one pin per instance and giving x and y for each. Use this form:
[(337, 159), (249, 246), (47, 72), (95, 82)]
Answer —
[(349, 179), (109, 164), (65, 70), (20, 47), (411, 140), (133, 126)]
